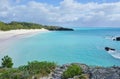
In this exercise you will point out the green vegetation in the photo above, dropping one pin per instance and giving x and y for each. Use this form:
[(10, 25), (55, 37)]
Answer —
[(7, 62), (40, 68), (72, 71), (10, 73), (25, 25), (35, 68)]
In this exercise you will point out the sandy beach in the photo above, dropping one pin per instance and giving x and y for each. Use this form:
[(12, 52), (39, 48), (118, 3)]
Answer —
[(4, 35), (8, 37)]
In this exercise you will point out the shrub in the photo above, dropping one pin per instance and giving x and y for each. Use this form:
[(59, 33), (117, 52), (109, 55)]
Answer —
[(10, 73), (7, 62), (41, 68), (72, 71), (35, 68)]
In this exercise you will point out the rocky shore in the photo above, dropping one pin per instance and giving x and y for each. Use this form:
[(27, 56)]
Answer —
[(90, 72)]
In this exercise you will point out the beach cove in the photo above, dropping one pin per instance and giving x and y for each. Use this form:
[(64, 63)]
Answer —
[(84, 45), (7, 38)]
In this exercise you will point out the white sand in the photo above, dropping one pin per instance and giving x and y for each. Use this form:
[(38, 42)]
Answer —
[(16, 33), (7, 38)]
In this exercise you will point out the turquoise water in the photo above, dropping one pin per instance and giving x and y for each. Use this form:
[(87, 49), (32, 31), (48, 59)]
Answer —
[(84, 45)]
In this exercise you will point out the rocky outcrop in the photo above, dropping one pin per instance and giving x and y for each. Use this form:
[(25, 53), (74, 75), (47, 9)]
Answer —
[(109, 49), (60, 29), (116, 39), (89, 72), (105, 73), (57, 74)]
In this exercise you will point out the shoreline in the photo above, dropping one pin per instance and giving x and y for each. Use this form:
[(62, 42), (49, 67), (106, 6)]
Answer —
[(15, 33), (7, 38)]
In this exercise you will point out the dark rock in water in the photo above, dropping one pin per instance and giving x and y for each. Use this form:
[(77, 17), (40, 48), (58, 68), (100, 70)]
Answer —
[(116, 39), (108, 49)]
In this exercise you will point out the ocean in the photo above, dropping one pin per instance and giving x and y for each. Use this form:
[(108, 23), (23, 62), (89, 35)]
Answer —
[(84, 45)]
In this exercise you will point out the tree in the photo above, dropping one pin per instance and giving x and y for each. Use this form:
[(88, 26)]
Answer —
[(7, 62)]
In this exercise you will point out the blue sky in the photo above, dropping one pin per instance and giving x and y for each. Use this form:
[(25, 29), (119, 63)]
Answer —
[(56, 2), (81, 13)]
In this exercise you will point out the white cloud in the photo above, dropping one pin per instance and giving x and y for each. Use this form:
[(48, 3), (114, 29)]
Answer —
[(18, 1), (68, 13)]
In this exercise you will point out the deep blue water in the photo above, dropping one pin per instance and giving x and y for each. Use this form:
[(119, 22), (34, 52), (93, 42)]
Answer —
[(84, 45)]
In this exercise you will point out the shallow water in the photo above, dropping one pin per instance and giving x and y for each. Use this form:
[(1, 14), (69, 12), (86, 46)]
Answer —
[(84, 45)]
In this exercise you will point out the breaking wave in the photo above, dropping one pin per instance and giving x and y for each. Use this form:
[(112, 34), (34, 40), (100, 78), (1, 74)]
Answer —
[(115, 54)]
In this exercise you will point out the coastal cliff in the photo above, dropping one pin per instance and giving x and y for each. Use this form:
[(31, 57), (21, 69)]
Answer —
[(89, 72), (49, 70)]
